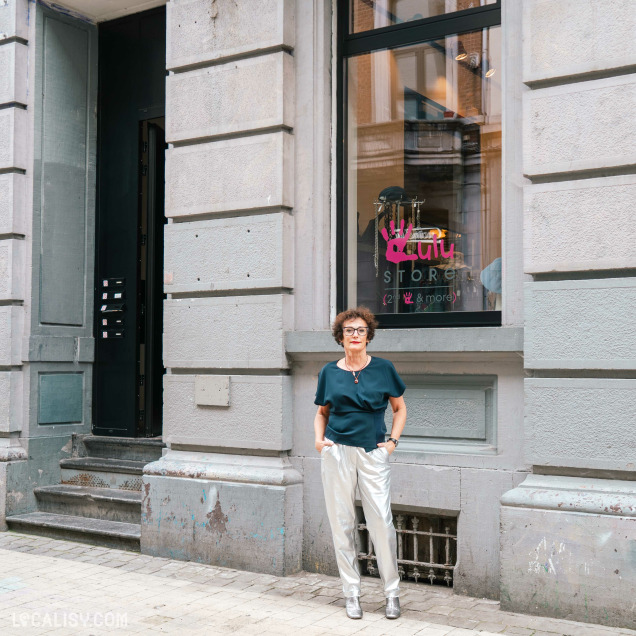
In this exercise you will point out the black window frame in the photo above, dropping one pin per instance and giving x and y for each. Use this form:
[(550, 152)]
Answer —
[(390, 37)]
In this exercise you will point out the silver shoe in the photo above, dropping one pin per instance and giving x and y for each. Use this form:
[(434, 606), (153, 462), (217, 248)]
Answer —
[(352, 605), (393, 607)]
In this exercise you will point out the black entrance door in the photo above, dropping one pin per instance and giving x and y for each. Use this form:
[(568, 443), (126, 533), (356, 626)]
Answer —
[(127, 389)]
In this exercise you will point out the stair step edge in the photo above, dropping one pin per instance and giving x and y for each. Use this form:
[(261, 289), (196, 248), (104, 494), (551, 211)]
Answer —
[(134, 467), (148, 442), (119, 529), (87, 492)]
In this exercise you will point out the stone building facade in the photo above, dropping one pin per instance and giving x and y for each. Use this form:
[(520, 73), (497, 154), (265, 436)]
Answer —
[(536, 482)]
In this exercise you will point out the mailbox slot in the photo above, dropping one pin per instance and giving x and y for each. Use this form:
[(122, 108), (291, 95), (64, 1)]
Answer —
[(112, 333), (110, 308), (113, 282), (114, 295)]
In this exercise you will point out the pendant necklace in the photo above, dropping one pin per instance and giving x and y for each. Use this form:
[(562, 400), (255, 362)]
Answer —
[(355, 378)]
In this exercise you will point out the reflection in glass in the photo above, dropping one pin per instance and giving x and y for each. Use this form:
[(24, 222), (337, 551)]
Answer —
[(424, 176), (375, 14)]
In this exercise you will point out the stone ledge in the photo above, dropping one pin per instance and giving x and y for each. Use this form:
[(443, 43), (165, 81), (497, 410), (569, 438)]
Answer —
[(577, 73), (574, 494), (271, 471), (404, 343), (11, 453)]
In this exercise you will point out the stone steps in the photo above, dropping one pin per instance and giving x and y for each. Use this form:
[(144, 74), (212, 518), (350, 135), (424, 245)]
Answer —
[(144, 449), (109, 504), (99, 472), (99, 499), (111, 534)]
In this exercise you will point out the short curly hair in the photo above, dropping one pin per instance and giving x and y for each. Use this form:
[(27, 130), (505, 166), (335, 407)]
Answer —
[(359, 312)]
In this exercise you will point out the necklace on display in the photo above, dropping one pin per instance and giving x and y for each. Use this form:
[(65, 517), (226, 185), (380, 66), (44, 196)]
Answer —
[(359, 371)]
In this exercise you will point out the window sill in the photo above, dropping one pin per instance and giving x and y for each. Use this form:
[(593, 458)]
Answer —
[(416, 344)]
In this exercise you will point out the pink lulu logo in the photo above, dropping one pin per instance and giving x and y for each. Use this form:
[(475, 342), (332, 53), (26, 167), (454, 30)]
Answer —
[(395, 246)]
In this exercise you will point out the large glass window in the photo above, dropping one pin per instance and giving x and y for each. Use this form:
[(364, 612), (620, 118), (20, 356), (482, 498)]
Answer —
[(373, 14), (421, 170)]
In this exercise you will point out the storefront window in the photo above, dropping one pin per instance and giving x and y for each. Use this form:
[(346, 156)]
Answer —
[(374, 14), (422, 177)]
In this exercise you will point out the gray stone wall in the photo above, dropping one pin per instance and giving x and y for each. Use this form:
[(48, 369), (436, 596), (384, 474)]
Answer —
[(250, 249), (229, 275), (438, 472), (564, 529), (46, 242), (14, 43)]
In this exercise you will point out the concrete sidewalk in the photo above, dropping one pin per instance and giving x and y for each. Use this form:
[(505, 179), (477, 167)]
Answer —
[(49, 586)]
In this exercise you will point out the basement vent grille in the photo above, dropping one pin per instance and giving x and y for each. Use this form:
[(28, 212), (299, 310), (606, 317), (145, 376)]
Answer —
[(426, 545)]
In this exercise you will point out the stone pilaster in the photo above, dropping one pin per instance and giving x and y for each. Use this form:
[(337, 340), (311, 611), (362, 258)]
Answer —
[(229, 276), (13, 207), (564, 528)]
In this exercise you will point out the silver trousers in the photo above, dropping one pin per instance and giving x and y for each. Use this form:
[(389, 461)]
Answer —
[(343, 468)]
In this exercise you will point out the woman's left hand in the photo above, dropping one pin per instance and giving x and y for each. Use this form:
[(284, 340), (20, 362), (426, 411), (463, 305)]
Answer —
[(390, 446)]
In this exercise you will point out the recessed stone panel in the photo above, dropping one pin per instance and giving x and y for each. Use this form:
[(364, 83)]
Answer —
[(447, 413), (447, 408), (61, 398), (63, 190)]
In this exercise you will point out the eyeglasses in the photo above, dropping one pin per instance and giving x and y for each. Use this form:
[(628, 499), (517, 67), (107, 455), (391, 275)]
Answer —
[(361, 331)]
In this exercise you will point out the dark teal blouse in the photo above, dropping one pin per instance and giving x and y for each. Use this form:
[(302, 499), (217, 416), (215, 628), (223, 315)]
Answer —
[(356, 411)]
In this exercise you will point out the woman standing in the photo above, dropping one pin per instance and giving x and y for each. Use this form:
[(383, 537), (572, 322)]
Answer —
[(352, 395)]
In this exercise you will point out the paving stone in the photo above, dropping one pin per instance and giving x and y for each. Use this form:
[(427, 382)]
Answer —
[(441, 609), (305, 596), (465, 623), (176, 597), (438, 619), (432, 631), (258, 588), (329, 592), (420, 606), (483, 606), (521, 631), (496, 628)]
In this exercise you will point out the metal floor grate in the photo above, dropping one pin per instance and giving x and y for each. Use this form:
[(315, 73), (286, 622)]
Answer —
[(426, 545)]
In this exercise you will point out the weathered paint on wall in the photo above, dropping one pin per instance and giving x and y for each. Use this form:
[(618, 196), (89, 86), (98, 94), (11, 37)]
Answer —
[(569, 549)]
